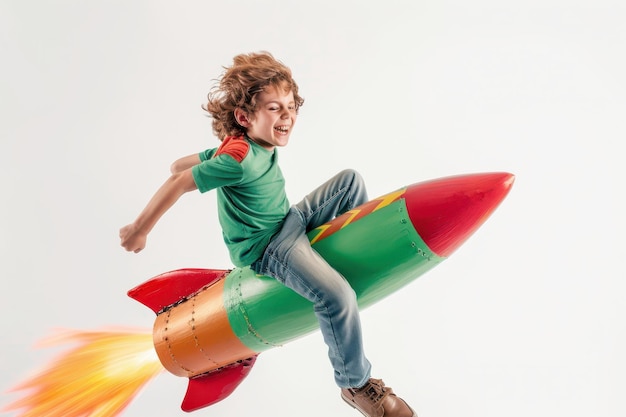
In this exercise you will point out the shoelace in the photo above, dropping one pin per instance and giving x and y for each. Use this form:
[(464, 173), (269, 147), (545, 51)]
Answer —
[(375, 391)]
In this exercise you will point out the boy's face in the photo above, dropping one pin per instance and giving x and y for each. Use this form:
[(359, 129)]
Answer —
[(271, 124)]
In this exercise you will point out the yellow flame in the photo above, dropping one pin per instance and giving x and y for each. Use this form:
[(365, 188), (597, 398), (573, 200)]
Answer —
[(97, 378)]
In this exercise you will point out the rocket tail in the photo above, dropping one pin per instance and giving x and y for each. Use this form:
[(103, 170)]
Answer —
[(161, 294)]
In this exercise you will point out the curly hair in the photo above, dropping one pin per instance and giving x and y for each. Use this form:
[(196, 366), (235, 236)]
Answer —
[(239, 85)]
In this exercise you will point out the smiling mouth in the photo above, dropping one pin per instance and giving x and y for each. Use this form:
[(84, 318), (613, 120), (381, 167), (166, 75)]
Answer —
[(281, 129)]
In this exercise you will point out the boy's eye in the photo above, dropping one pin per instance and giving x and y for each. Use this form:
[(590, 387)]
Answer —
[(277, 108)]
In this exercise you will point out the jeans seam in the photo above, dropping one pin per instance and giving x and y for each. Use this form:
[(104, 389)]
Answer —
[(327, 201)]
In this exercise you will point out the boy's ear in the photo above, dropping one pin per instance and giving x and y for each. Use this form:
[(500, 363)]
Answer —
[(242, 117)]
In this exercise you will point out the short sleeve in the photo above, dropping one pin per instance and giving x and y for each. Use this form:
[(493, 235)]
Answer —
[(216, 172), (206, 155)]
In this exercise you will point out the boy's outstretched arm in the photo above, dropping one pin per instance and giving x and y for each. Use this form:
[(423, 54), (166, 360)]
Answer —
[(184, 163), (133, 236)]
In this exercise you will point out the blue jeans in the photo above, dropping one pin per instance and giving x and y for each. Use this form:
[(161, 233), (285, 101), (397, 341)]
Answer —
[(290, 259)]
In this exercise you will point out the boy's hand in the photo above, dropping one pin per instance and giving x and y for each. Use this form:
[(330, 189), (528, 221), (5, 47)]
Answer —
[(132, 239)]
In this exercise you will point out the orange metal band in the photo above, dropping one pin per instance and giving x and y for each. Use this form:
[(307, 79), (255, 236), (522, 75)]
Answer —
[(195, 336)]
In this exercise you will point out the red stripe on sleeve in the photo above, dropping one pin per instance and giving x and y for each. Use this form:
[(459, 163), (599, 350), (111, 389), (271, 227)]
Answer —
[(235, 146)]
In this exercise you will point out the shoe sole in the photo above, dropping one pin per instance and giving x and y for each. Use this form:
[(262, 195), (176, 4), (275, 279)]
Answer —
[(356, 407), (353, 405)]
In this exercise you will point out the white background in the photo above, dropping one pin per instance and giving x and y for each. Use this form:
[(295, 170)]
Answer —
[(526, 319)]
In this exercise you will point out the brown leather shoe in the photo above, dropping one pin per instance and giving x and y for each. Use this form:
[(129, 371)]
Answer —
[(374, 399)]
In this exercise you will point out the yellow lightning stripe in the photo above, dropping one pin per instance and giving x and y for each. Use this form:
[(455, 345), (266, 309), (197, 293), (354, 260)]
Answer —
[(384, 201), (353, 214), (321, 229), (388, 199)]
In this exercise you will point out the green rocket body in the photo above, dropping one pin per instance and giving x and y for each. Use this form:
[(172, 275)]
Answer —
[(377, 254)]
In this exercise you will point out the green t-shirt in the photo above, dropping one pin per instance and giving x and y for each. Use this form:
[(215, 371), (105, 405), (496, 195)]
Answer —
[(251, 197)]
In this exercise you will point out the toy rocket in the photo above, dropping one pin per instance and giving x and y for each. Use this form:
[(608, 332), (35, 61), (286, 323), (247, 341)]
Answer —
[(212, 324)]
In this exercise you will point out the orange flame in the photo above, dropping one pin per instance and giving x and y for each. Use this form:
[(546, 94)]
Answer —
[(97, 378)]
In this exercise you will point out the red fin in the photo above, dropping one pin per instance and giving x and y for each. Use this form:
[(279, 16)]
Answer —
[(171, 287), (214, 386)]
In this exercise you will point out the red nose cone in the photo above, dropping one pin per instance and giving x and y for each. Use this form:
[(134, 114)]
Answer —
[(447, 211)]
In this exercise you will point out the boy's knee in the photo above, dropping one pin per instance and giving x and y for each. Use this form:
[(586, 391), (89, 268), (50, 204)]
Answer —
[(354, 177), (344, 295), (353, 173)]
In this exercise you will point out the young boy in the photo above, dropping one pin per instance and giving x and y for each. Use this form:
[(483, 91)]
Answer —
[(254, 109)]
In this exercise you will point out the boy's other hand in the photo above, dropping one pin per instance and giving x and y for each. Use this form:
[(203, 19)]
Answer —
[(132, 239)]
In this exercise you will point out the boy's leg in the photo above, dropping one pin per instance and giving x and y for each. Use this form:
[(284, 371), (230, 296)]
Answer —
[(291, 260), (334, 300)]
